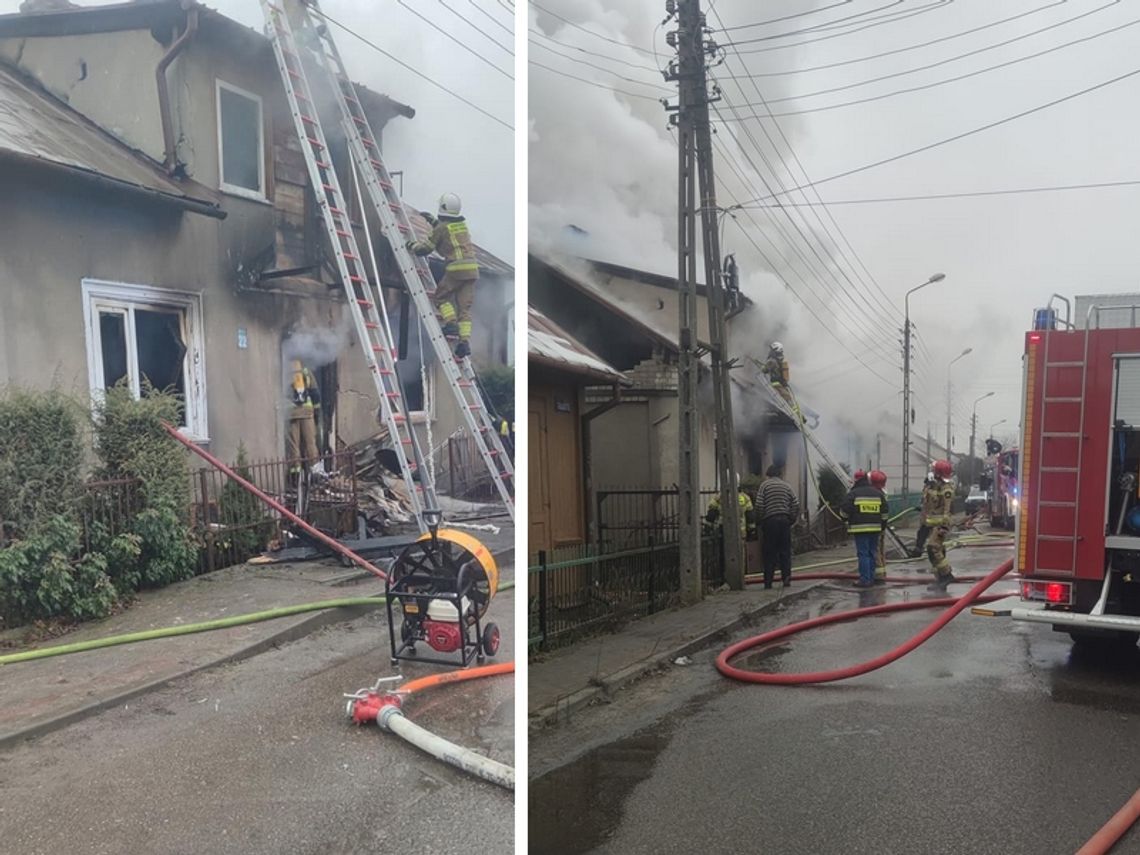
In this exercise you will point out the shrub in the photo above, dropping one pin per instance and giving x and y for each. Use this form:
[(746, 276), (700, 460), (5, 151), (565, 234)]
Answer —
[(243, 513)]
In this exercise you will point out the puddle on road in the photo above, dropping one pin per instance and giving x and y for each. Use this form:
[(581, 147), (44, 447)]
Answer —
[(1103, 678), (577, 807)]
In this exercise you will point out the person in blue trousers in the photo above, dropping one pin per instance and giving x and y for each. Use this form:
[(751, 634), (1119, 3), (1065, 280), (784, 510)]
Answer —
[(865, 511)]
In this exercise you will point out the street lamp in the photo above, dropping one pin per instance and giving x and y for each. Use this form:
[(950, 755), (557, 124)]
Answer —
[(965, 352), (994, 425), (937, 277), (974, 423)]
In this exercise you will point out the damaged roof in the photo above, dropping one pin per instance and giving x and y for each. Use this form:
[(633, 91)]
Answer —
[(550, 345), (38, 129)]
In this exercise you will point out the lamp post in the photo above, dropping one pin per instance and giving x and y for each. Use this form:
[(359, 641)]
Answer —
[(965, 352), (974, 425), (937, 277), (994, 425)]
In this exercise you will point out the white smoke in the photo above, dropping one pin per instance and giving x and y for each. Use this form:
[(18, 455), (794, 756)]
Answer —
[(316, 347)]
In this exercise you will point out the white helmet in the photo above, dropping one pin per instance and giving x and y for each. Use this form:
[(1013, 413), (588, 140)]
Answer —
[(777, 348), (449, 205)]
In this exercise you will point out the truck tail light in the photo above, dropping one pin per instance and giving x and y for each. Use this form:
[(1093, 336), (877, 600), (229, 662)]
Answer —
[(1054, 593)]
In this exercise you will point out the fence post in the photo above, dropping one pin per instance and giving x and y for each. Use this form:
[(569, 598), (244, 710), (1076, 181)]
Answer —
[(652, 574), (542, 616)]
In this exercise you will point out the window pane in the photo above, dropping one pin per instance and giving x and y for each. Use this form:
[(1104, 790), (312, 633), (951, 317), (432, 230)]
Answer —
[(409, 370), (161, 353), (113, 339), (241, 140)]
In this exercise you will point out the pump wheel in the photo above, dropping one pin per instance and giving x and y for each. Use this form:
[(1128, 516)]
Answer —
[(491, 638)]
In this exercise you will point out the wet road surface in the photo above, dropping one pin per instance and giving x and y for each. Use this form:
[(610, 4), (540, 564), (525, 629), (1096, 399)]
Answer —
[(259, 757), (992, 738)]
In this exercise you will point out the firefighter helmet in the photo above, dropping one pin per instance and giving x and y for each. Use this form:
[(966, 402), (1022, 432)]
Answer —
[(858, 475), (942, 468), (449, 205), (777, 348), (878, 478)]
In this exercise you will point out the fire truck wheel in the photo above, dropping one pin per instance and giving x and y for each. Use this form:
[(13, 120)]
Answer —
[(1094, 641), (491, 639)]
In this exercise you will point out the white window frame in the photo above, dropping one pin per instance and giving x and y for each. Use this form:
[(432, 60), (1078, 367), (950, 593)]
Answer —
[(100, 295), (233, 189)]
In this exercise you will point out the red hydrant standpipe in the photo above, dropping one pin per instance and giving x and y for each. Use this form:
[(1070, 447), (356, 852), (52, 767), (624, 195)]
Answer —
[(386, 709), (332, 544)]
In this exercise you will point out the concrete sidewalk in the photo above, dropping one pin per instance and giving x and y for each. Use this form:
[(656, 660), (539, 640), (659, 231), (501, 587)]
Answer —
[(45, 694), (566, 680)]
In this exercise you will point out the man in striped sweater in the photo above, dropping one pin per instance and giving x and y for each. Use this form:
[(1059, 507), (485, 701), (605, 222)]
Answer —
[(777, 509)]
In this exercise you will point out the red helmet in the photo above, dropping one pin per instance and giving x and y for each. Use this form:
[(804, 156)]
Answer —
[(858, 475), (942, 468), (878, 478)]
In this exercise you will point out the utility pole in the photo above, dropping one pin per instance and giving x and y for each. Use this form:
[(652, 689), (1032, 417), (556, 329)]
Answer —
[(906, 408), (948, 401), (694, 139)]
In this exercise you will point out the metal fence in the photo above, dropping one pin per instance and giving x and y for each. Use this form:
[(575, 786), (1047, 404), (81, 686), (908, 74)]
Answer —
[(630, 518), (108, 508), (233, 525), (577, 591)]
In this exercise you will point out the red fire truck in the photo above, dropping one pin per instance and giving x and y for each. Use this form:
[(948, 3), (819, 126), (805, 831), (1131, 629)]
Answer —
[(1001, 481), (1078, 520)]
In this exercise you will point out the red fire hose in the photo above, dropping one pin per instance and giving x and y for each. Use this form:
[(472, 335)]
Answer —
[(332, 544), (1099, 844)]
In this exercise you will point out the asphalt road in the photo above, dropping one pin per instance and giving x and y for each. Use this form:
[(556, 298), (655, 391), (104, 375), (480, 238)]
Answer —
[(991, 738), (258, 757)]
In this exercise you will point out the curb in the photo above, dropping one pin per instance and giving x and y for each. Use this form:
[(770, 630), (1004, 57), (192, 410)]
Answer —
[(553, 714), (304, 627)]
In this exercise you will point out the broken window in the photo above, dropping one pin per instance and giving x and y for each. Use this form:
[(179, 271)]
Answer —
[(147, 339), (241, 148), (411, 341)]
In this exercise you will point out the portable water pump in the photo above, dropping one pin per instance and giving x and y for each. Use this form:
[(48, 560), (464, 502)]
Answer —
[(442, 585)]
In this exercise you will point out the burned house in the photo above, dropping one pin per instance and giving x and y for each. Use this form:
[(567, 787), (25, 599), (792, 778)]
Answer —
[(629, 319), (159, 227)]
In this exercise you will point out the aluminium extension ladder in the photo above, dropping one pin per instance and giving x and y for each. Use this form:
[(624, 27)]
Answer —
[(362, 300), (781, 404), (396, 227)]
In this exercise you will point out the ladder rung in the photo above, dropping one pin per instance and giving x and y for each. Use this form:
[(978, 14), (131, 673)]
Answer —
[(1045, 504), (358, 121), (366, 303), (368, 142), (323, 165), (305, 118), (354, 278), (1056, 538), (1049, 434), (1064, 364), (392, 394), (1060, 469), (1062, 400), (315, 142)]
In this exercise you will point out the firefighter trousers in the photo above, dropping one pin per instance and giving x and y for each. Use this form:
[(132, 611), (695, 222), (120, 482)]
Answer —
[(936, 550), (453, 299), (301, 440)]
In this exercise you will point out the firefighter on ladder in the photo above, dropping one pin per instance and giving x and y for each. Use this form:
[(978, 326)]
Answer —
[(879, 482), (775, 368), (936, 501), (455, 293)]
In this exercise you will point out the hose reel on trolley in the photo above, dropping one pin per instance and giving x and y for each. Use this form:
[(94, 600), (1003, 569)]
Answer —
[(441, 586)]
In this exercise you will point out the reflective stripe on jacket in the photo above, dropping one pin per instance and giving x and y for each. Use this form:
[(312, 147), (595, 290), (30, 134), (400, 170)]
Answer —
[(865, 509), (451, 238), (936, 502)]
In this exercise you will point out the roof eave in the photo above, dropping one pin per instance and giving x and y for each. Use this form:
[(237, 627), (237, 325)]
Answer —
[(186, 203)]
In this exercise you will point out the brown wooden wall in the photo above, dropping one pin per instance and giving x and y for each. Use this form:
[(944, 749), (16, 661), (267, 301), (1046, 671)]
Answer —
[(556, 515)]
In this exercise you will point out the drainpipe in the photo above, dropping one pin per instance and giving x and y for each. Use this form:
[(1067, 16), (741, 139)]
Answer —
[(170, 153)]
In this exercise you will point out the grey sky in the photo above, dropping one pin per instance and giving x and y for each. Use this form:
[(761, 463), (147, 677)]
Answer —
[(448, 146), (1002, 255)]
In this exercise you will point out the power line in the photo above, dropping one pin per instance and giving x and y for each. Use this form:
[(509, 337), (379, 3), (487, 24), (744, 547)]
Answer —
[(938, 4), (593, 83), (954, 79), (784, 18), (964, 134), (459, 42), (591, 32), (813, 29), (510, 31), (414, 71), (602, 68), (477, 28), (881, 296), (606, 56), (909, 48), (963, 195)]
